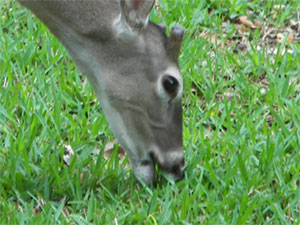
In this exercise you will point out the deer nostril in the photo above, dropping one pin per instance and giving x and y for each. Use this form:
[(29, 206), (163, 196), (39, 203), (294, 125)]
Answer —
[(177, 169), (146, 162)]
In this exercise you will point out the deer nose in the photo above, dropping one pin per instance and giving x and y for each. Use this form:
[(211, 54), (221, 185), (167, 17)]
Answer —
[(174, 166), (177, 171)]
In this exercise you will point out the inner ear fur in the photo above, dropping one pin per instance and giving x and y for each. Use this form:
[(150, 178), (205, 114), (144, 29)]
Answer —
[(135, 13)]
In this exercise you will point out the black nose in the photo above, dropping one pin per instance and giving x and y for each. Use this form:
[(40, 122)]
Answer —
[(178, 172)]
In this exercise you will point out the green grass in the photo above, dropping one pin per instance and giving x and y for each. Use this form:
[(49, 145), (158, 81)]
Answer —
[(241, 136)]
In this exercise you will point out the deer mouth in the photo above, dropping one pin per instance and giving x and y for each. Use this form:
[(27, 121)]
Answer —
[(176, 171)]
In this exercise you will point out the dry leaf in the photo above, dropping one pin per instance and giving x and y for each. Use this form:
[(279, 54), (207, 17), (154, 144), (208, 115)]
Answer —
[(109, 147), (258, 23), (244, 20), (279, 6), (212, 38), (82, 177), (68, 154), (290, 38), (279, 37), (240, 29), (38, 208), (295, 25)]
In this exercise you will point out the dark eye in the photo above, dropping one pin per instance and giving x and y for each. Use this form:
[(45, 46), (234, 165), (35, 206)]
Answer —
[(170, 85)]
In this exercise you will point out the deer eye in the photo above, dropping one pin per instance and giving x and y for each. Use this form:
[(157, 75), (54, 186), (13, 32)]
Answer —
[(170, 85)]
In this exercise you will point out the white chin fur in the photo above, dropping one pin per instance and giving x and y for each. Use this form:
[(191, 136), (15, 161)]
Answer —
[(145, 173)]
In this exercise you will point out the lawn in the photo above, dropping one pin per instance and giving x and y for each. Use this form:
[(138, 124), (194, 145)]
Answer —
[(241, 66)]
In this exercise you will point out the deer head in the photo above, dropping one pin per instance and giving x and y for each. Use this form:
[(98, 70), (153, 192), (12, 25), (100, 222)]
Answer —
[(133, 68)]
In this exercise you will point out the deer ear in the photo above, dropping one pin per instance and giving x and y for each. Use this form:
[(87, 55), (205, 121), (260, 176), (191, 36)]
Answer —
[(135, 13)]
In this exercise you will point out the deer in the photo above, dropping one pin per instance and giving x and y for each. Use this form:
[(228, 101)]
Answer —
[(132, 66)]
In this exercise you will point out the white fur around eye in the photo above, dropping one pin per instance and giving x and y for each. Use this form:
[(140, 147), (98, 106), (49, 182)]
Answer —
[(162, 93)]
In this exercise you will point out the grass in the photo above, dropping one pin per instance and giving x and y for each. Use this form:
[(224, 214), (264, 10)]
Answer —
[(241, 127)]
